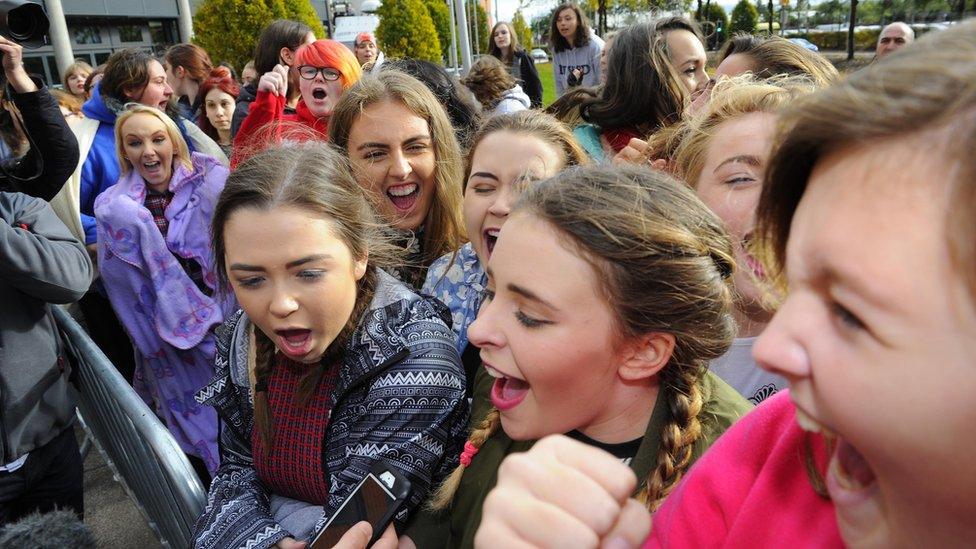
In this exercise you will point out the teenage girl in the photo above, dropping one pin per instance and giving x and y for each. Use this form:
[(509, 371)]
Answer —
[(607, 296)]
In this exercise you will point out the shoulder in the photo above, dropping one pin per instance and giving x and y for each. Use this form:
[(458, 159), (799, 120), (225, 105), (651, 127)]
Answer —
[(451, 270), (723, 405)]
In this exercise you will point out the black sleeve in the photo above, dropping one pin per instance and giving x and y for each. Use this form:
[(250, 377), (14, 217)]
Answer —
[(240, 113), (53, 154), (531, 84)]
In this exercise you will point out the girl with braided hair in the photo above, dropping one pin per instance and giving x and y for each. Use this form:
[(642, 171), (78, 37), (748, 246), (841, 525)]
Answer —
[(608, 294), (332, 364)]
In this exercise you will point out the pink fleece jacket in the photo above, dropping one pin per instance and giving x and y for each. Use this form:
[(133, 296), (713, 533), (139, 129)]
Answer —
[(751, 489)]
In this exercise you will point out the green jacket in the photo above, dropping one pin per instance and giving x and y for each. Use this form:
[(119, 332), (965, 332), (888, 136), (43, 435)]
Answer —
[(457, 525)]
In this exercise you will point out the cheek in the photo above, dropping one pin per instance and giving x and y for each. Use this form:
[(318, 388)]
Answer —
[(425, 168)]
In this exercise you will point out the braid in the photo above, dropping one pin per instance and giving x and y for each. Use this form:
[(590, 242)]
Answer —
[(681, 387), (263, 363), (484, 430)]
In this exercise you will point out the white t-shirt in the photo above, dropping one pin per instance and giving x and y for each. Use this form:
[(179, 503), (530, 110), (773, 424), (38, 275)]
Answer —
[(737, 368)]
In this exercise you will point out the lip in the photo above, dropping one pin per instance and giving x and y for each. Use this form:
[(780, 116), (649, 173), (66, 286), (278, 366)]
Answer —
[(490, 240), (842, 493), (499, 399), (295, 342), (404, 203)]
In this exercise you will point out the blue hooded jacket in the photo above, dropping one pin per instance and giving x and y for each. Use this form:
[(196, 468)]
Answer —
[(101, 168)]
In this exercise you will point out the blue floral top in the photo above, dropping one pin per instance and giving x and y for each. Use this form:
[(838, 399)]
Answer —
[(459, 284)]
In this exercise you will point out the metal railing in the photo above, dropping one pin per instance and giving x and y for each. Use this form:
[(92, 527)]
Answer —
[(136, 445)]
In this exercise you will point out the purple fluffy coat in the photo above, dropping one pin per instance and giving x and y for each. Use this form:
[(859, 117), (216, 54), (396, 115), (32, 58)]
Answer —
[(167, 316)]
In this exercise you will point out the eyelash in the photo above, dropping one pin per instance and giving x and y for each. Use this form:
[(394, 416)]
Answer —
[(740, 179), (524, 319), (846, 317), (307, 276)]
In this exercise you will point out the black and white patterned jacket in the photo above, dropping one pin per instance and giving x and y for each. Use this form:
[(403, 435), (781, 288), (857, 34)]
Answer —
[(399, 396)]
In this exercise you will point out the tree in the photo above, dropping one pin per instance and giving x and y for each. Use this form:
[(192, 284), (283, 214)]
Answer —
[(850, 30), (440, 14), (522, 30), (716, 24), (229, 29), (481, 33), (406, 30), (745, 17), (302, 10)]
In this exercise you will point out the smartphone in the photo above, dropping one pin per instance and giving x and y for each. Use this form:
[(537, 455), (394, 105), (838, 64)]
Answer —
[(376, 499)]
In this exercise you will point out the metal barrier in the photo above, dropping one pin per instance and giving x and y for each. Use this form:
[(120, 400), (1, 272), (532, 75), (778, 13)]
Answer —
[(137, 446)]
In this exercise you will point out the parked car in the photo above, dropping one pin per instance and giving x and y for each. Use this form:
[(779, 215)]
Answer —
[(805, 43), (539, 55)]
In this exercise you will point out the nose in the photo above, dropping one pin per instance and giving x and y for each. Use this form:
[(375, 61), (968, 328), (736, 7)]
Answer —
[(168, 90), (502, 204), (399, 165), (483, 333), (283, 303), (778, 349)]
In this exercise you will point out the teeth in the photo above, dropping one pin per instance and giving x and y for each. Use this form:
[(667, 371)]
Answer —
[(402, 190), (807, 423), (493, 372), (493, 232)]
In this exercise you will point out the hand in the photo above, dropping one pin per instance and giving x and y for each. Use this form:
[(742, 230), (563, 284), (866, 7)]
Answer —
[(290, 543), (358, 536), (563, 493), (275, 81), (633, 153), (578, 74), (13, 67)]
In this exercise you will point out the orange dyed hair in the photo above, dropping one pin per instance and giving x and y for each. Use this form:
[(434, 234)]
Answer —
[(329, 53)]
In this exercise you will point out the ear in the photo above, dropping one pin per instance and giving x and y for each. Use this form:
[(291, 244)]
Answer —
[(180, 72), (286, 55), (646, 356), (359, 267), (130, 94)]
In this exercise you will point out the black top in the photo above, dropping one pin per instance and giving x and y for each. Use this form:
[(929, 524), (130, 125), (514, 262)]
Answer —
[(53, 153), (531, 84), (624, 451)]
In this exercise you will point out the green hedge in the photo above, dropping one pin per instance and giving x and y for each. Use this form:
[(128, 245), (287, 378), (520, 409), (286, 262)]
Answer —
[(864, 40)]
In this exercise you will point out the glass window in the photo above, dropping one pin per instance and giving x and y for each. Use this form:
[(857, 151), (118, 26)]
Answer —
[(88, 35), (35, 66), (102, 57), (130, 33)]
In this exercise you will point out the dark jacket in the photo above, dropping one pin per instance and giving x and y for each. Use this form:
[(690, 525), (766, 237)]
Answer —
[(531, 84), (40, 263), (249, 93), (53, 154), (456, 526), (400, 396)]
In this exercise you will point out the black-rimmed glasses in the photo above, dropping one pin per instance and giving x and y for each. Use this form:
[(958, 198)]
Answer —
[(308, 72)]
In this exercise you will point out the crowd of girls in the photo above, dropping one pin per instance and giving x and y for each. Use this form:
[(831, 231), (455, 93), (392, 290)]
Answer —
[(550, 348)]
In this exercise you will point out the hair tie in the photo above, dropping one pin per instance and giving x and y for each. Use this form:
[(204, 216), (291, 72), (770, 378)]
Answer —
[(469, 451)]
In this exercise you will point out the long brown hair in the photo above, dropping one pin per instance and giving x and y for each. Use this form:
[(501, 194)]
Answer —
[(664, 260), (443, 227), (508, 55), (776, 55), (312, 177), (194, 59), (488, 80), (582, 36)]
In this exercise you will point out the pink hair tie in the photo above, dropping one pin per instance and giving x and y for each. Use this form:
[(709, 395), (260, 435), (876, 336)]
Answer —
[(469, 451)]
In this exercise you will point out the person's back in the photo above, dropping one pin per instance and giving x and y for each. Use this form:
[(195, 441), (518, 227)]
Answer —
[(42, 263)]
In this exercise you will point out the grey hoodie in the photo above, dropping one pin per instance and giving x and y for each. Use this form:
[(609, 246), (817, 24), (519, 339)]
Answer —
[(585, 58), (40, 263), (513, 100)]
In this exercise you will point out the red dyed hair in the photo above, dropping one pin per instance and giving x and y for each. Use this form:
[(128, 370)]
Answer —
[(329, 53), (219, 79)]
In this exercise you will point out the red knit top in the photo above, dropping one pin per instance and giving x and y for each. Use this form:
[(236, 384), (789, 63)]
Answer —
[(295, 465)]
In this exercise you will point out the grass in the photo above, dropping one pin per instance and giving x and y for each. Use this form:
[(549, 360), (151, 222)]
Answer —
[(548, 83)]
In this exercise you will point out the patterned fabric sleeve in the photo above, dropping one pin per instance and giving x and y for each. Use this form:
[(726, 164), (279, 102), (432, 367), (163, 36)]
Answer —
[(237, 513), (414, 413)]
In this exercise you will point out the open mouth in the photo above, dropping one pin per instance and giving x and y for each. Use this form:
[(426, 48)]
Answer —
[(850, 477), (295, 342), (404, 196), (319, 94), (508, 391), (153, 167), (754, 265), (491, 237)]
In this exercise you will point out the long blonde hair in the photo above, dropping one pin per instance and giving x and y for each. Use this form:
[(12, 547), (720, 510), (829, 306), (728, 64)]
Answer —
[(443, 227), (664, 261)]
